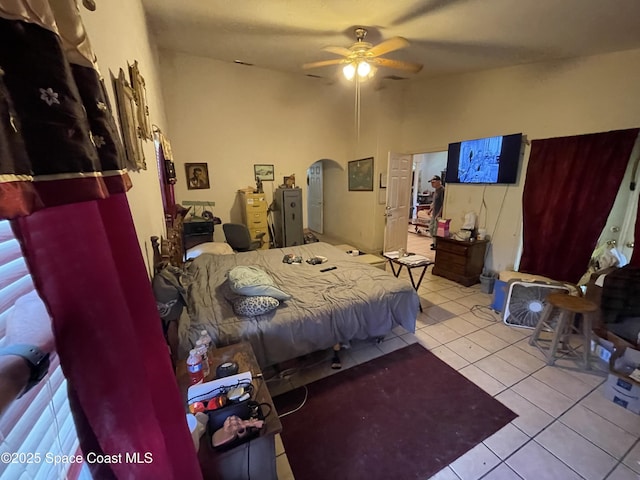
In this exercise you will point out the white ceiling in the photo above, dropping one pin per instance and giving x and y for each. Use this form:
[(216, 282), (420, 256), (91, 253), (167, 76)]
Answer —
[(446, 36)]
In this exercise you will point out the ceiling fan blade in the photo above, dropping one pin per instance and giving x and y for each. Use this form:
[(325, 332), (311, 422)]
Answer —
[(323, 63), (395, 43), (345, 52), (399, 65)]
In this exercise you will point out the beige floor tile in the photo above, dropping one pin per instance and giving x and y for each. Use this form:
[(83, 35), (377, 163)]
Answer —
[(520, 359), (450, 357), (426, 340), (483, 380), (445, 474), (392, 344), (632, 460), (455, 307), (433, 297), (575, 451), (624, 419), (593, 377), (283, 469), (561, 381), (461, 326), (454, 293), (475, 463), (500, 370), (502, 472), (531, 419), (543, 396), (506, 440), (623, 473), (468, 350), (533, 462), (477, 318), (438, 313), (363, 355), (487, 340), (507, 333), (423, 321), (441, 332), (530, 349), (399, 330), (409, 338), (599, 431)]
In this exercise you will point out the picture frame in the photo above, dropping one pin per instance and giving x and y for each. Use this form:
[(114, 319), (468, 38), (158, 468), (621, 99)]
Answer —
[(361, 175), (264, 172), (197, 176), (126, 105), (140, 96), (383, 180)]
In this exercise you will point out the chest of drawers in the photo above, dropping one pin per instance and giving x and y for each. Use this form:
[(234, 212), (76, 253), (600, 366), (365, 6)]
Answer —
[(460, 261)]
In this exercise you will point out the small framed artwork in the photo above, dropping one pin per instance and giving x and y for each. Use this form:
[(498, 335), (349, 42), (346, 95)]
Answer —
[(197, 176), (263, 172), (140, 95), (361, 175), (125, 100), (383, 180)]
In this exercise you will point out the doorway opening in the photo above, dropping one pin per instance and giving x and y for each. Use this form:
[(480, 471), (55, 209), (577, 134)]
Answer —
[(425, 166)]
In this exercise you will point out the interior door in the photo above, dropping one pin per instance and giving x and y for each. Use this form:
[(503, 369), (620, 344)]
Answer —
[(399, 170), (315, 199)]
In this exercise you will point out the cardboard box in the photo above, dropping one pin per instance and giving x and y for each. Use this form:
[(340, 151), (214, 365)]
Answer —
[(620, 388)]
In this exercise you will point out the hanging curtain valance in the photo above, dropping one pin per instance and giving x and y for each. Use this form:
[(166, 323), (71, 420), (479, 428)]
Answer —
[(58, 139)]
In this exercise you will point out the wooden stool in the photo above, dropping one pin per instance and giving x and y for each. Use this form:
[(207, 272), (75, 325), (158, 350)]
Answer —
[(563, 325)]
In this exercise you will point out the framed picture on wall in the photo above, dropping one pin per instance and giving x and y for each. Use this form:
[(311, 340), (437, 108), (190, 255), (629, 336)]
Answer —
[(263, 172), (197, 176), (361, 175)]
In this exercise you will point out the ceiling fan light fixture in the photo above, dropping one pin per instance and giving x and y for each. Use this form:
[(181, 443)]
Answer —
[(349, 71), (364, 69)]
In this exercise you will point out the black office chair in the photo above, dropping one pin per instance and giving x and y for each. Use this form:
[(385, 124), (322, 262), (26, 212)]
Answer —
[(239, 238)]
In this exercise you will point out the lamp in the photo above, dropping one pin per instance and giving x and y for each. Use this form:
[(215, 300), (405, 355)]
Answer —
[(361, 67)]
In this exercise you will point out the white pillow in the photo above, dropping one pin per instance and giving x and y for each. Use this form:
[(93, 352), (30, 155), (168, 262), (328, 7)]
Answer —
[(253, 281), (215, 248)]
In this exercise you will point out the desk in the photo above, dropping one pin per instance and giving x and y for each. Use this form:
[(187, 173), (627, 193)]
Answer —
[(406, 262), (253, 459)]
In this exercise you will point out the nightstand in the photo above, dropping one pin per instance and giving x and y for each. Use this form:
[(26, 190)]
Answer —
[(196, 231)]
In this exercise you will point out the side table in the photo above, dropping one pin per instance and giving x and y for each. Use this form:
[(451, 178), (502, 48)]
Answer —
[(411, 262), (253, 459)]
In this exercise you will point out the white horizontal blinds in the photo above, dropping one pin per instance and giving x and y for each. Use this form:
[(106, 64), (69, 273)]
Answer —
[(40, 422)]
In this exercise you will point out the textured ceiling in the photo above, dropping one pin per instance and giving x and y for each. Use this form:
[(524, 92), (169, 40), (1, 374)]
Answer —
[(446, 36)]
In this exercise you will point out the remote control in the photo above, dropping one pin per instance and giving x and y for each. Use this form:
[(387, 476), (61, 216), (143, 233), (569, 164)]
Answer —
[(327, 269)]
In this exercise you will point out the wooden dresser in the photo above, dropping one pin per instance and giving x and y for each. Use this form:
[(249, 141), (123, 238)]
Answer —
[(460, 261), (254, 215)]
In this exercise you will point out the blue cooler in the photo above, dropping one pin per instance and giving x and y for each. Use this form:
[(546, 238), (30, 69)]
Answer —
[(499, 293)]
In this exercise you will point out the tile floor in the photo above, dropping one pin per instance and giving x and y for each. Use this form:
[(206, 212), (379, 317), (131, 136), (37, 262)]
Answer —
[(565, 428)]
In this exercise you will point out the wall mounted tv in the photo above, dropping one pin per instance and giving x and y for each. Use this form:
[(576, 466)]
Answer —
[(485, 160)]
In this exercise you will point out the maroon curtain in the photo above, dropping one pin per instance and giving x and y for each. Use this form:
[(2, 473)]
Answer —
[(570, 188), (87, 264)]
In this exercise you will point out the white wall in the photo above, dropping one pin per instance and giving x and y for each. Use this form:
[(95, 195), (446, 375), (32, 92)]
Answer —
[(118, 33), (553, 99), (232, 117)]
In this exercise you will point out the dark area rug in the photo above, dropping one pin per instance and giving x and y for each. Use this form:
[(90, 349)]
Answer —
[(404, 415)]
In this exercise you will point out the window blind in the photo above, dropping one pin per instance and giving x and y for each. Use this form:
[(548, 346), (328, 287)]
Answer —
[(40, 422)]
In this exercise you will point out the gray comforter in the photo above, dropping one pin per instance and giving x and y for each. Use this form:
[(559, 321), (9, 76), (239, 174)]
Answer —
[(354, 301)]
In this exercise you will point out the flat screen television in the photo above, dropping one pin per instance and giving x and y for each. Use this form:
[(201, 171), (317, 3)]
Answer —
[(485, 160)]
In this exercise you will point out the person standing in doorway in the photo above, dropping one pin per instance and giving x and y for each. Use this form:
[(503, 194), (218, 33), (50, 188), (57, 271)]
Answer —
[(436, 207)]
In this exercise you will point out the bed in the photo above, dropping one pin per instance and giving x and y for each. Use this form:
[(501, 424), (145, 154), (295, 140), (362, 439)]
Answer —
[(352, 301)]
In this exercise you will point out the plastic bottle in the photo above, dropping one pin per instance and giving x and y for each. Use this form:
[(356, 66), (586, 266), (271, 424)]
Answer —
[(206, 340), (195, 368), (202, 350)]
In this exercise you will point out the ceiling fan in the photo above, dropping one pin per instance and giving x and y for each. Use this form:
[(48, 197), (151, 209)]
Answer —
[(362, 57)]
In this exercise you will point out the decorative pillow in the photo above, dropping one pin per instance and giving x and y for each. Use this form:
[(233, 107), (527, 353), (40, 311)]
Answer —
[(252, 306), (215, 248), (253, 281)]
